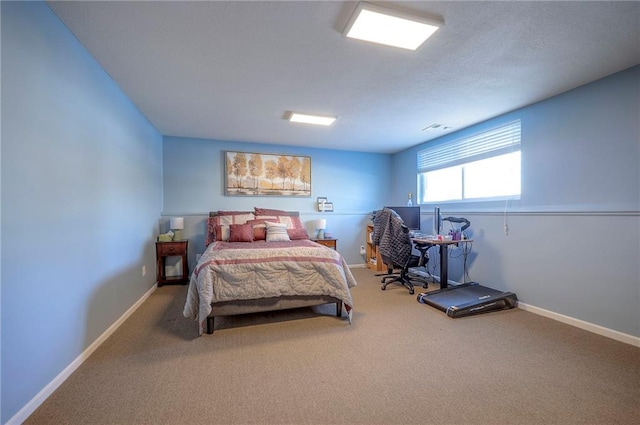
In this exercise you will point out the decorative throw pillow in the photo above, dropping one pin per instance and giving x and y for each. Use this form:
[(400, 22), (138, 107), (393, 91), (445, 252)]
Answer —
[(236, 213), (296, 223), (221, 232), (268, 211), (211, 231), (297, 234), (260, 228), (260, 232), (292, 222), (277, 232), (240, 233), (218, 226)]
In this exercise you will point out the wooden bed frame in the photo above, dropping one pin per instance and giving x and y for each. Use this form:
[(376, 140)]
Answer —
[(235, 307)]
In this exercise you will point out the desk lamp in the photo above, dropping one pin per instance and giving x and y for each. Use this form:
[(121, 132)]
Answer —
[(177, 224), (321, 225)]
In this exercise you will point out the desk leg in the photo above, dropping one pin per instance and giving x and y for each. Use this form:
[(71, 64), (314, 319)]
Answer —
[(444, 266)]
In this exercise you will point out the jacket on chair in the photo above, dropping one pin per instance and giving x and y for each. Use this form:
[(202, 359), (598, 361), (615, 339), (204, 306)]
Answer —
[(392, 237)]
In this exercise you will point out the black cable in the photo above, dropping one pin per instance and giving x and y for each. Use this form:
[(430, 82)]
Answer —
[(435, 263), (466, 249)]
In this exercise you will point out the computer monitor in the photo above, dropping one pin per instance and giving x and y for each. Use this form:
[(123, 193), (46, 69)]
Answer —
[(437, 221), (409, 215)]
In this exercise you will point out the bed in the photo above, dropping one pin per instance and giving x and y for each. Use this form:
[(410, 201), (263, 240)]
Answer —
[(263, 260)]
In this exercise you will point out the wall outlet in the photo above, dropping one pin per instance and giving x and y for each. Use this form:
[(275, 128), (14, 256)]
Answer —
[(362, 251), (144, 270)]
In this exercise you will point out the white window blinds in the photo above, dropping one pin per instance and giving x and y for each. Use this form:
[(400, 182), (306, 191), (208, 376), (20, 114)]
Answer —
[(497, 141)]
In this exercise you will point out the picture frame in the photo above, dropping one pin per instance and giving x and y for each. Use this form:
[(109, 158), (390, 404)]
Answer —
[(265, 174), (328, 207), (320, 202)]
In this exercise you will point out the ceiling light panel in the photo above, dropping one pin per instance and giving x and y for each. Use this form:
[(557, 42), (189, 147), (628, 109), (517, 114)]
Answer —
[(311, 119), (380, 25)]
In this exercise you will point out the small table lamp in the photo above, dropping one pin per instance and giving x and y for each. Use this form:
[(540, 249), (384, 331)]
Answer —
[(321, 225), (177, 224)]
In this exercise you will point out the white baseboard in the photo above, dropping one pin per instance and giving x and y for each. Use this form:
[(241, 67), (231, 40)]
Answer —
[(597, 329), (35, 402)]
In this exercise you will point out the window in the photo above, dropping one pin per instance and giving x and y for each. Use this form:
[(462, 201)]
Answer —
[(485, 166)]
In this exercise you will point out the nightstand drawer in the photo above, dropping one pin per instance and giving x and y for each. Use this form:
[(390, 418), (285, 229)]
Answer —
[(171, 248), (331, 243)]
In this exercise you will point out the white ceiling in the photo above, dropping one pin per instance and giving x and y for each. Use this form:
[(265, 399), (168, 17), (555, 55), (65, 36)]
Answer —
[(230, 70)]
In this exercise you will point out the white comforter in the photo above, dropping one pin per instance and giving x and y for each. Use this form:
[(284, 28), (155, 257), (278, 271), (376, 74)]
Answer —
[(243, 271)]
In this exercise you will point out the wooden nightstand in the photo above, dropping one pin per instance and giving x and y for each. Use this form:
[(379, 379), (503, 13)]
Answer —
[(169, 249), (328, 242)]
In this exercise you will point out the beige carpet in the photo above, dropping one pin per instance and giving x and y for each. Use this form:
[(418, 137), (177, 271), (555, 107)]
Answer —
[(400, 362)]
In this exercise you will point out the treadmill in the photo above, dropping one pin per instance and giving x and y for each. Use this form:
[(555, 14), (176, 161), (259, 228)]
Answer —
[(468, 298)]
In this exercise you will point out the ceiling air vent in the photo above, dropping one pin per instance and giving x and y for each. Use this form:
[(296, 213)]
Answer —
[(436, 126)]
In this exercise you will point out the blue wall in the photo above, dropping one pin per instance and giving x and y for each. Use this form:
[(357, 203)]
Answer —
[(573, 243), (81, 197), (357, 183)]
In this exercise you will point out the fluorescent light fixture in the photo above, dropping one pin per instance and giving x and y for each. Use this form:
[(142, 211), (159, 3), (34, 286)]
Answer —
[(311, 119), (377, 24)]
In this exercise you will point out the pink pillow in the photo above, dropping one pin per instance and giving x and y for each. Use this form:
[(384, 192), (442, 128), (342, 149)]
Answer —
[(267, 211), (291, 222), (297, 234), (220, 233), (211, 232), (218, 226), (296, 223), (260, 228), (290, 218), (233, 212), (240, 233), (259, 233)]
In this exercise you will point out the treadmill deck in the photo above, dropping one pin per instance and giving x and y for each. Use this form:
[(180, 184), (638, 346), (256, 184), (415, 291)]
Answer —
[(468, 299)]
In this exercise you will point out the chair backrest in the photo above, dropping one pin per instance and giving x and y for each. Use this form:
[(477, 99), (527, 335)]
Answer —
[(392, 237)]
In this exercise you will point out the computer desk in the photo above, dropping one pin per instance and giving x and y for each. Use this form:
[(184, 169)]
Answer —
[(444, 255)]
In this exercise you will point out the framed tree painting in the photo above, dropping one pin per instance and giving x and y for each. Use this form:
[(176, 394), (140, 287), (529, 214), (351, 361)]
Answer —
[(259, 174)]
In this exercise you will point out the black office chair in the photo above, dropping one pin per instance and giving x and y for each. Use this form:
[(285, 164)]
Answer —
[(418, 272), (403, 277), (394, 245)]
